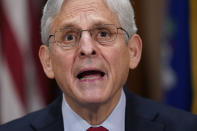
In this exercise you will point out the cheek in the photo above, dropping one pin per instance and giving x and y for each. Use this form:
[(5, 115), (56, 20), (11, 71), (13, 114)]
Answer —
[(119, 56), (118, 60), (62, 65)]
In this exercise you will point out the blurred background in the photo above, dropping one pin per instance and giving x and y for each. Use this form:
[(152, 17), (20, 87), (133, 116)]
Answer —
[(167, 72)]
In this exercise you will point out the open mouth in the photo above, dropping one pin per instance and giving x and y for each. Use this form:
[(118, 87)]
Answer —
[(90, 75)]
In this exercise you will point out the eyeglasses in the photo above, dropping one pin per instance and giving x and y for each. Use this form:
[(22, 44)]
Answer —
[(104, 34)]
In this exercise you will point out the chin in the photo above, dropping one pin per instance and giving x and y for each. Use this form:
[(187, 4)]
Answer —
[(93, 99)]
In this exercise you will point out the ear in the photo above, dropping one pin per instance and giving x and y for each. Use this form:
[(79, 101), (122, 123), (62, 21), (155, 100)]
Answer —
[(45, 59), (135, 50)]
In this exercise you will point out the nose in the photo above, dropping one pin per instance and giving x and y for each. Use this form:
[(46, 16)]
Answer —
[(87, 46)]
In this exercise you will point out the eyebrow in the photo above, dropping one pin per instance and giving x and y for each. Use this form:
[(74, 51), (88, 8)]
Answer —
[(71, 25)]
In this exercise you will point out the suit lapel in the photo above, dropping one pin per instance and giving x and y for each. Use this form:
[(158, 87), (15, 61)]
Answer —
[(138, 118), (136, 123), (50, 119)]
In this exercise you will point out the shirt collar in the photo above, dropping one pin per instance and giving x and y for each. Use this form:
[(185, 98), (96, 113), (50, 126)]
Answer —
[(114, 122)]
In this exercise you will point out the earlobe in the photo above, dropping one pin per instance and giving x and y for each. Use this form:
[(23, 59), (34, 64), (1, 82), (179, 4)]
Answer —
[(135, 50), (45, 59)]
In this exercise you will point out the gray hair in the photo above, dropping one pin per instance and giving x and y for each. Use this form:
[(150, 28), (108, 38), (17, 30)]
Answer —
[(122, 8)]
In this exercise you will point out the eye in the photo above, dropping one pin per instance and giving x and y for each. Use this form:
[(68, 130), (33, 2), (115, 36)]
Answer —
[(103, 35), (69, 37)]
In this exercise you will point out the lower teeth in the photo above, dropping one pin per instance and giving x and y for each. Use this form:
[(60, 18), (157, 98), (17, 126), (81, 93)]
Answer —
[(90, 77)]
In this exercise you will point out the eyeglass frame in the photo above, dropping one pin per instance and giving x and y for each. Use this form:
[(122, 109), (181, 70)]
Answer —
[(89, 30)]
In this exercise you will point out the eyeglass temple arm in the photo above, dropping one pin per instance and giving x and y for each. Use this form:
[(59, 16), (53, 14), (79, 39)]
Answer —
[(124, 31), (49, 38)]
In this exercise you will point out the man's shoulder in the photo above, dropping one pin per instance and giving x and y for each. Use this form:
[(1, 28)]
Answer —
[(169, 117), (37, 118), (23, 123)]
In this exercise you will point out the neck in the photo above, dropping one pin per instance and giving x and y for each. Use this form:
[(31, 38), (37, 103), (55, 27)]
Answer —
[(95, 114)]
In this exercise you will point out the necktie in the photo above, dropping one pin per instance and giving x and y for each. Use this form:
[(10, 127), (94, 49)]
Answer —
[(97, 129)]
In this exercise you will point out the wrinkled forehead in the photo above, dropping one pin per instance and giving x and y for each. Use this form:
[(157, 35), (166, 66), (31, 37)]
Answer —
[(83, 11)]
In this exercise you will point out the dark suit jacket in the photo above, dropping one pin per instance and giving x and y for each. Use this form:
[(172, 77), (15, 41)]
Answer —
[(141, 115)]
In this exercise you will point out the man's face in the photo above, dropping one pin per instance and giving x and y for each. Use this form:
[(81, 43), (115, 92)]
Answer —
[(89, 73)]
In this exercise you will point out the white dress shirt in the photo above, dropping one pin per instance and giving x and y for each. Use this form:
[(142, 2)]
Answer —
[(114, 122)]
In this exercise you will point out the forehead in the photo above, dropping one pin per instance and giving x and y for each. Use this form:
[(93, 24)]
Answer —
[(84, 13)]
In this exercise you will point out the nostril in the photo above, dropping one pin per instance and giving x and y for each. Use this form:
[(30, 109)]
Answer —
[(82, 53), (93, 52)]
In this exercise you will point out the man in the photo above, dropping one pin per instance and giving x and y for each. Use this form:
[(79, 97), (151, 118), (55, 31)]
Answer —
[(89, 47)]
